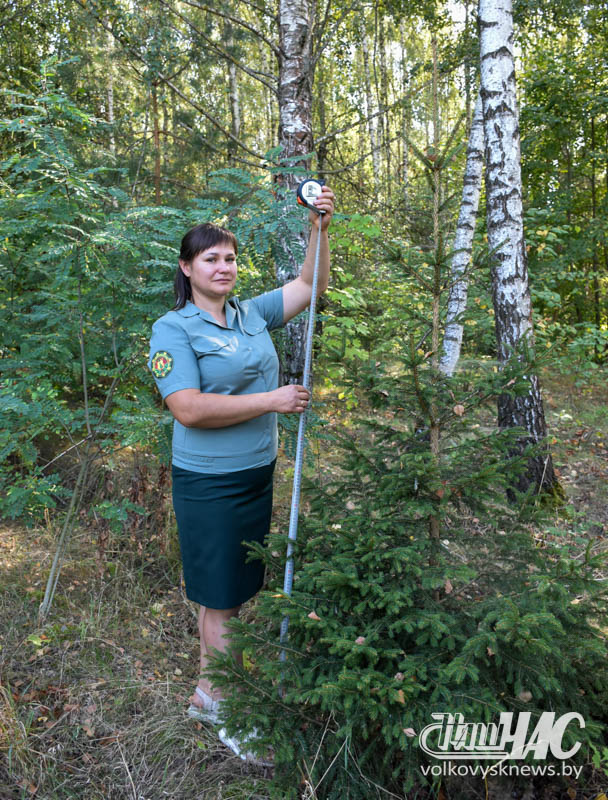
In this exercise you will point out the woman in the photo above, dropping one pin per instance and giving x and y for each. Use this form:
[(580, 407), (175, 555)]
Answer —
[(216, 367)]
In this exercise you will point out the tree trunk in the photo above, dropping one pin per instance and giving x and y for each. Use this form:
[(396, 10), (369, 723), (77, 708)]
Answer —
[(295, 137), (463, 244), (467, 69), (597, 317), (510, 289), (369, 108), (383, 103), (110, 109), (404, 123), (235, 106), (156, 144)]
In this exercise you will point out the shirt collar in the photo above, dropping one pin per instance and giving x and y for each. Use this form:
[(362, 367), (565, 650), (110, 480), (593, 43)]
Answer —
[(191, 310)]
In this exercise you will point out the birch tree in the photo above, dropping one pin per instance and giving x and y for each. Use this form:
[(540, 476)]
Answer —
[(510, 289), (463, 244), (372, 119), (404, 120), (296, 139), (235, 103)]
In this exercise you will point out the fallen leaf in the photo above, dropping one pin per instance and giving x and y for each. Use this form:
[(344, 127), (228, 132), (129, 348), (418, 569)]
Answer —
[(447, 588), (314, 616), (401, 696), (106, 740), (409, 732), (458, 410), (490, 651)]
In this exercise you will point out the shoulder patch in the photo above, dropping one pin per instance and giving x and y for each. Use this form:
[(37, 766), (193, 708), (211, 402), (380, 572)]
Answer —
[(162, 364)]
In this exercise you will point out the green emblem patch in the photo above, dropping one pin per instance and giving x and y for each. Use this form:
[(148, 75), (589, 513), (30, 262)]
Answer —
[(162, 364)]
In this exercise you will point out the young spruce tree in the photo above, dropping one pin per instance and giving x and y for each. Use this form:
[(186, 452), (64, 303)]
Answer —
[(418, 587)]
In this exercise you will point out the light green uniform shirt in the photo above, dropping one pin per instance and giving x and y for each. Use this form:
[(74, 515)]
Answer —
[(189, 349)]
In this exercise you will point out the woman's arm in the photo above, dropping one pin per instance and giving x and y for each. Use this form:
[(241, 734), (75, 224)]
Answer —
[(195, 409), (297, 293)]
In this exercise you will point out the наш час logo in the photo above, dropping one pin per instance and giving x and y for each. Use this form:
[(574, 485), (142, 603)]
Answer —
[(474, 740)]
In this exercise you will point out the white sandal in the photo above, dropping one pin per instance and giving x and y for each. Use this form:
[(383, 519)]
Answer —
[(209, 711), (238, 747)]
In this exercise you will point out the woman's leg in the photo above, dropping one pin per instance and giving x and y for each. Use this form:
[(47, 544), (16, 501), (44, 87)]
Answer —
[(213, 635)]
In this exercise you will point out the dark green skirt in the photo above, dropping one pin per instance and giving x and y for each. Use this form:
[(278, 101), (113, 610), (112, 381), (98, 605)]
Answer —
[(215, 514)]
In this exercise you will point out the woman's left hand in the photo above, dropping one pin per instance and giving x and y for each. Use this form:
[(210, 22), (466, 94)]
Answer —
[(324, 202)]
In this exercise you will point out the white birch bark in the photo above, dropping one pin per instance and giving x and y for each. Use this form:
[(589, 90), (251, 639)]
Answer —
[(233, 87), (295, 137), (404, 122), (504, 214), (463, 245), (110, 93), (372, 120), (383, 102)]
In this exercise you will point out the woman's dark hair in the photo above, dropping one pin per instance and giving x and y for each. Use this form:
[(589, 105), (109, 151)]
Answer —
[(198, 239)]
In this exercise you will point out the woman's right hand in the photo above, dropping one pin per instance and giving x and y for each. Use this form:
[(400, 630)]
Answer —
[(290, 399)]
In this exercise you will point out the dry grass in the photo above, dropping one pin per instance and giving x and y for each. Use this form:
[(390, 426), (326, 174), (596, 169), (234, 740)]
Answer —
[(92, 703)]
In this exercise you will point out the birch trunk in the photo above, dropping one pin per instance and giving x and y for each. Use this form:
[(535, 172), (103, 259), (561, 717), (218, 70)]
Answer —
[(110, 112), (295, 137), (463, 244), (404, 123), (510, 289), (372, 121), (156, 133), (235, 105), (383, 102)]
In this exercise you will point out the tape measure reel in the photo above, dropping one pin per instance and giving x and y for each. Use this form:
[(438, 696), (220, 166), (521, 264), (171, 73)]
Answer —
[(307, 191)]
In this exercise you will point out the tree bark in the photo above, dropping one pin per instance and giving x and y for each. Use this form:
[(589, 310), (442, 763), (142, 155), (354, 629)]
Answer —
[(295, 137), (155, 128), (463, 244), (235, 105), (404, 123), (110, 96), (597, 317), (383, 104), (369, 107), (510, 289)]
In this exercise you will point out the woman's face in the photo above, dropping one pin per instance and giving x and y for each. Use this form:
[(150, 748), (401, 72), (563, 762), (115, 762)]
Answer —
[(212, 273)]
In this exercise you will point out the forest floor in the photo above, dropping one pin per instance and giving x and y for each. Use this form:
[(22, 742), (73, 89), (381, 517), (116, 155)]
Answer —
[(92, 702)]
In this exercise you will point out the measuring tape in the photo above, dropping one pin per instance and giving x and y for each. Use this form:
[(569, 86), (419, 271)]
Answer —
[(307, 191)]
